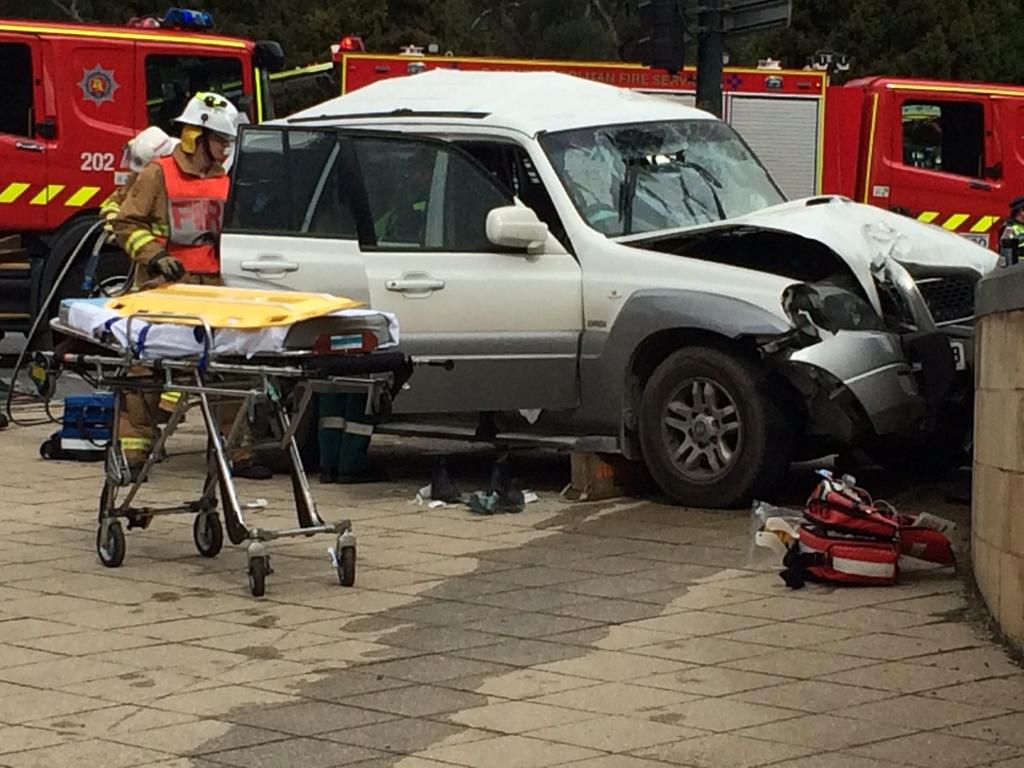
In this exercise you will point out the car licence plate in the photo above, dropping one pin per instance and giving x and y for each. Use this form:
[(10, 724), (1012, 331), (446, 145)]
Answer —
[(959, 355)]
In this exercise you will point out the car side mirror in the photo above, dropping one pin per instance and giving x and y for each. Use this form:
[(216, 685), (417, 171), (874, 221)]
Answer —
[(517, 227)]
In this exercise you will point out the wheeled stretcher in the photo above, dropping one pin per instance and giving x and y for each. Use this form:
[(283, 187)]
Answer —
[(267, 354)]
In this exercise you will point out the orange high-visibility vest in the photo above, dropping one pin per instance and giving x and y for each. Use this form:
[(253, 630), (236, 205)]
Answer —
[(195, 214)]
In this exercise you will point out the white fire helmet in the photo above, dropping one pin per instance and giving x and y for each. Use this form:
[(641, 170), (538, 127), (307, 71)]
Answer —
[(213, 112), (149, 145)]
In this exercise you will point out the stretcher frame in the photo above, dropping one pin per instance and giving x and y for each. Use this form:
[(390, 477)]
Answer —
[(204, 382)]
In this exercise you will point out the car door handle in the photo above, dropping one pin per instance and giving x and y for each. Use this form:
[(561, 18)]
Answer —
[(981, 185), (29, 146), (414, 285), (269, 265)]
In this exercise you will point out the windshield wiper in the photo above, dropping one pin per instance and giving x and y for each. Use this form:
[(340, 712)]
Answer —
[(627, 193), (708, 178)]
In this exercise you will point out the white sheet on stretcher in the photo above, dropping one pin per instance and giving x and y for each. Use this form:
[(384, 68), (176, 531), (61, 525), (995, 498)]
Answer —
[(159, 340)]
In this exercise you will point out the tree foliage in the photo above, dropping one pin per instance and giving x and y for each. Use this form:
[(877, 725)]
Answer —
[(963, 39)]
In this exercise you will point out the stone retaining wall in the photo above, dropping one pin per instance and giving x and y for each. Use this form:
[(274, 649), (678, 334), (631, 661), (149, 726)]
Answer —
[(997, 514)]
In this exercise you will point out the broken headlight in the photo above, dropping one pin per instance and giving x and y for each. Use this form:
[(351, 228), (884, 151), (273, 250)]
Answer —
[(830, 308)]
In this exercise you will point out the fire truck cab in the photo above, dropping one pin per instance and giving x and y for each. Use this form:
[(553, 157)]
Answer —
[(73, 94), (945, 153)]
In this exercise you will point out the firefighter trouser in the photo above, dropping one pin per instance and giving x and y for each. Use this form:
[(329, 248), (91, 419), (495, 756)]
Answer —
[(140, 413), (344, 434), (169, 401)]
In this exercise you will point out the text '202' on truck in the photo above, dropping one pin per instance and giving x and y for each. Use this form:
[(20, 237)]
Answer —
[(612, 266), (72, 95)]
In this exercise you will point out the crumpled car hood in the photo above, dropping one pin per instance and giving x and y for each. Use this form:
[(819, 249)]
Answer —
[(868, 234), (864, 236)]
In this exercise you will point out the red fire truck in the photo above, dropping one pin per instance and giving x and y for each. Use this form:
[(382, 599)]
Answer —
[(72, 95), (948, 153)]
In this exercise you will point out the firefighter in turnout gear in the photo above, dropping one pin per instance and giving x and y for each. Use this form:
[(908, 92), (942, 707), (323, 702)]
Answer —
[(1012, 236), (150, 144), (168, 223)]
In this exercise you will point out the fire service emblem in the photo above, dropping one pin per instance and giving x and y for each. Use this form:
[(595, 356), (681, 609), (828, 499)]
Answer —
[(98, 84)]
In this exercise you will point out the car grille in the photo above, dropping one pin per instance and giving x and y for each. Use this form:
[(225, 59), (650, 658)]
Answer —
[(950, 299)]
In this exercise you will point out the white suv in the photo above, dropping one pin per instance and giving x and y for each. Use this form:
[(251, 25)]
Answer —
[(613, 266)]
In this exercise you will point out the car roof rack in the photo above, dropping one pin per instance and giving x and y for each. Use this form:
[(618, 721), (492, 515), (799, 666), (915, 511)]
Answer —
[(393, 113)]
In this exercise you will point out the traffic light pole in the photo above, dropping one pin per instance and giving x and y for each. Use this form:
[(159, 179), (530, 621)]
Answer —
[(710, 53)]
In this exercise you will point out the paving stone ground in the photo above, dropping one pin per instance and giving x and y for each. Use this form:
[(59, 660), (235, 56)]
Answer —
[(623, 634)]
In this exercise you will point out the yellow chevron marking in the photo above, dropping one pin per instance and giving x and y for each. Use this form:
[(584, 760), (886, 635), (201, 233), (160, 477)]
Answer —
[(81, 197), (46, 194), (953, 222), (13, 192), (928, 216), (985, 223)]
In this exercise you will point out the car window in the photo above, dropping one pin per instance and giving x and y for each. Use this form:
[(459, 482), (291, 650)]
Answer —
[(291, 182), (644, 177), (16, 93), (946, 136), (428, 196), (511, 165)]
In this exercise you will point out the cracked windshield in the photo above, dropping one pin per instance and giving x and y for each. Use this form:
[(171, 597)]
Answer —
[(630, 179)]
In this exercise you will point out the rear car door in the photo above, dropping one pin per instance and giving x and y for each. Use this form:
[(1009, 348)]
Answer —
[(407, 234), (290, 221)]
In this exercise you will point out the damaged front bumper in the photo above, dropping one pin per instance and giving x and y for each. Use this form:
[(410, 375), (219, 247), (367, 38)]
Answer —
[(857, 381), (881, 382)]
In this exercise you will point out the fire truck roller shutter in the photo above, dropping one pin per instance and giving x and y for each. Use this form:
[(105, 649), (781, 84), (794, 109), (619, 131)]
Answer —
[(784, 134)]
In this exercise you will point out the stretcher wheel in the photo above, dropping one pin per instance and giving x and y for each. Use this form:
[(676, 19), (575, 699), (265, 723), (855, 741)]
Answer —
[(208, 534), (258, 569), (110, 545), (347, 566)]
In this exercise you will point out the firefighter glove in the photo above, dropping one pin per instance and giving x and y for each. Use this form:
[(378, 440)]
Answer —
[(166, 266)]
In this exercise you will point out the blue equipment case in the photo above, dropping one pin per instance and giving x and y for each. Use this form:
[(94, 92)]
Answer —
[(85, 429)]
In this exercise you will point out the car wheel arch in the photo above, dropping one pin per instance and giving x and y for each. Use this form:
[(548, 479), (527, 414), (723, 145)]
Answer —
[(651, 352)]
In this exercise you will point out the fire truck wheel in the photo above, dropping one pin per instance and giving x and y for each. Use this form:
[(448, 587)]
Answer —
[(113, 263), (710, 434)]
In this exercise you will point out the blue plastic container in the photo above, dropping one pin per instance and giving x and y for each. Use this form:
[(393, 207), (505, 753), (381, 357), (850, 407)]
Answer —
[(85, 429)]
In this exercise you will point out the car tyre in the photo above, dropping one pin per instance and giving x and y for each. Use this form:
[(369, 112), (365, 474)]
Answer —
[(710, 434)]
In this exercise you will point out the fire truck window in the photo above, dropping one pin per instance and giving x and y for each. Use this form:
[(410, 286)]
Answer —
[(172, 80), (292, 93), (16, 93), (945, 136)]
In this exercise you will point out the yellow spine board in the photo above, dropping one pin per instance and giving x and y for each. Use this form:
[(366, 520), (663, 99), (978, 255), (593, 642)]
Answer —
[(221, 307)]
